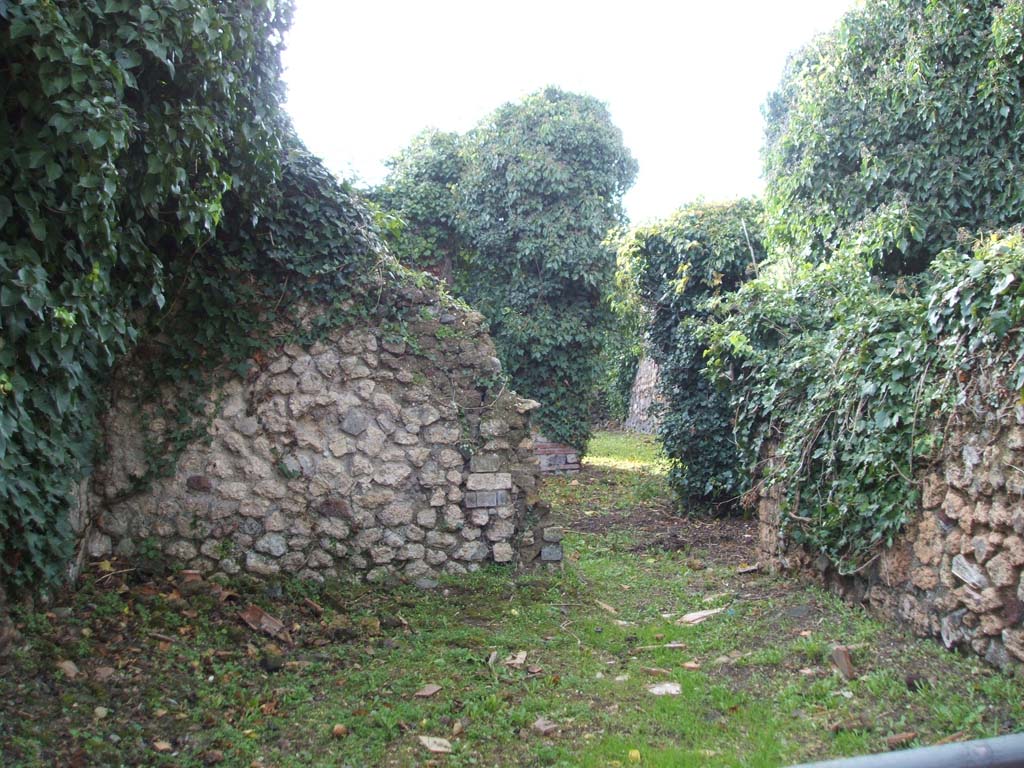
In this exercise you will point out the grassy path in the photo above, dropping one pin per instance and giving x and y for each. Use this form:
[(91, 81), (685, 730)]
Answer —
[(549, 669)]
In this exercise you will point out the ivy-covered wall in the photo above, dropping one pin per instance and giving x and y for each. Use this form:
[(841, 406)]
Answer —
[(954, 573), (380, 451), (680, 267), (151, 188)]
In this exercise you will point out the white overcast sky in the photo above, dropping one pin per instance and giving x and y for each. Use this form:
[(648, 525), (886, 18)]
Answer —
[(684, 80)]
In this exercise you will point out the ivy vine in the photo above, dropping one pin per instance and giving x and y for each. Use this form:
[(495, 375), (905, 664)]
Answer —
[(151, 189), (844, 381)]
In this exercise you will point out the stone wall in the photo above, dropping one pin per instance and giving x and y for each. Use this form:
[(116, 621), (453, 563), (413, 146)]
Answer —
[(955, 572), (642, 397), (382, 452)]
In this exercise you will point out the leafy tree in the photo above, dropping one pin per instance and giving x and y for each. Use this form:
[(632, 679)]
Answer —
[(679, 266), (420, 190), (150, 187), (897, 129), (539, 187)]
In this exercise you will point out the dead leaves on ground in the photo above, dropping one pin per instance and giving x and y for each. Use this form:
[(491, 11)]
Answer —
[(698, 617), (436, 744), (260, 621)]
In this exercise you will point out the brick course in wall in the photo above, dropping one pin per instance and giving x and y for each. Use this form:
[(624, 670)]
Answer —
[(555, 458)]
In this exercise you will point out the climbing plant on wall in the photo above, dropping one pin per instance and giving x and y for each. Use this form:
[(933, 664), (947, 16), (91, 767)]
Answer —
[(624, 345), (843, 378), (540, 184), (150, 187), (702, 251), (898, 128)]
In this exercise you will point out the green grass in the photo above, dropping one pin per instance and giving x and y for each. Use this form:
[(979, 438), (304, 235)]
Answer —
[(190, 673), (626, 451)]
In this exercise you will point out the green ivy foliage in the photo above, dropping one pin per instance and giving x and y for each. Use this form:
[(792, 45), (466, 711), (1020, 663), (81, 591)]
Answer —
[(420, 191), (623, 346), (539, 185), (679, 265), (150, 188), (897, 129), (846, 379)]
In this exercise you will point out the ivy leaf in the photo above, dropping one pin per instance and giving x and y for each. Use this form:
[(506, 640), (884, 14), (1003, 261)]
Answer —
[(5, 210), (128, 59), (1000, 287), (37, 225)]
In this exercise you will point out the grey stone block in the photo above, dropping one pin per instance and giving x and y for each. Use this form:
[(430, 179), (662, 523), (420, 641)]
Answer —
[(485, 462), (552, 553)]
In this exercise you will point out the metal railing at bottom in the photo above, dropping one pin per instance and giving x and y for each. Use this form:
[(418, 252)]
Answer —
[(998, 752)]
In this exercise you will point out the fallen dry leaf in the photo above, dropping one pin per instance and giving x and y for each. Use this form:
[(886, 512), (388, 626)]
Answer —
[(339, 731), (544, 727), (162, 746), (103, 673), (427, 691), (606, 607), (436, 744), (665, 689), (691, 665), (843, 661), (696, 617), (69, 668), (515, 660), (900, 739), (261, 621)]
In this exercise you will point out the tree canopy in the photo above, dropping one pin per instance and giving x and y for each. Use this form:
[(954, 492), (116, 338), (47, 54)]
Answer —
[(897, 129), (539, 186), (420, 190)]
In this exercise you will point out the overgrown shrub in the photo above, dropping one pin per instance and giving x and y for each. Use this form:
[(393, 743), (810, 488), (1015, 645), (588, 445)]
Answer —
[(702, 251), (897, 129), (539, 185), (150, 187), (420, 190), (846, 378)]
